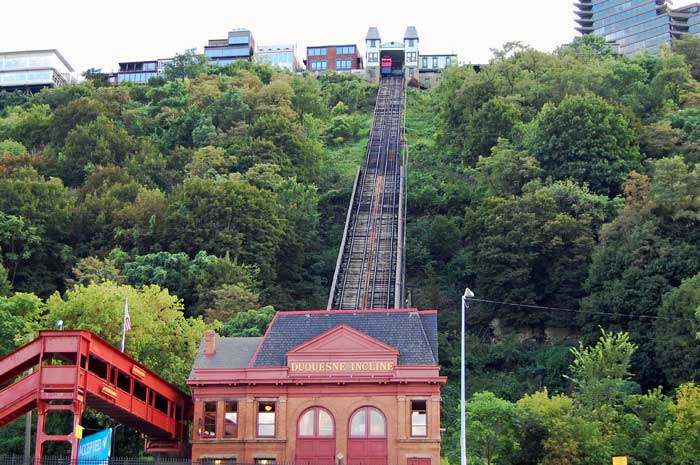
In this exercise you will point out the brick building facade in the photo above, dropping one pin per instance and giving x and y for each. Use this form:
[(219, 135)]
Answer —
[(334, 57), (322, 388)]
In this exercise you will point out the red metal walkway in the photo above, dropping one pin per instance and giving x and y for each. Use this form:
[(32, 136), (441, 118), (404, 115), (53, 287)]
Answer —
[(75, 369)]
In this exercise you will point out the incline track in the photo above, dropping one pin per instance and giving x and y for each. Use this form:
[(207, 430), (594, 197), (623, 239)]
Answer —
[(366, 272)]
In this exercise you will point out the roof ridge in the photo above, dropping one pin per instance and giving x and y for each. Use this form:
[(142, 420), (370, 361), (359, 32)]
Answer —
[(251, 364), (354, 310), (434, 349), (425, 335)]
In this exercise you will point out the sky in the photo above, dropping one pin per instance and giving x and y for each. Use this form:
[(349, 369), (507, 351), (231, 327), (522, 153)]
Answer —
[(93, 34)]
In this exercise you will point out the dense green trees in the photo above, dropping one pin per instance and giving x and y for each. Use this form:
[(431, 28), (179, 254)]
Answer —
[(565, 181), (585, 139), (195, 196), (35, 227), (602, 416), (534, 248), (677, 350), (161, 337), (178, 166)]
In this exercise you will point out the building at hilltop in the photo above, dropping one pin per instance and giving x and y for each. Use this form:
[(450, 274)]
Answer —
[(138, 72), (321, 387), (340, 58), (239, 45), (406, 57), (34, 70), (280, 56), (634, 26)]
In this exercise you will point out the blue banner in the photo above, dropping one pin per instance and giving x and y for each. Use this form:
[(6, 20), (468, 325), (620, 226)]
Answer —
[(95, 449)]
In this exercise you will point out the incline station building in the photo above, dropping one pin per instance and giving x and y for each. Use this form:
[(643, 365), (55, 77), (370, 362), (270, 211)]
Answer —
[(322, 388)]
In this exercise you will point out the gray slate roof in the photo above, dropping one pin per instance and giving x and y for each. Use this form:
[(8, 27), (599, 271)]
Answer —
[(231, 352), (410, 33), (414, 335), (373, 34), (430, 321)]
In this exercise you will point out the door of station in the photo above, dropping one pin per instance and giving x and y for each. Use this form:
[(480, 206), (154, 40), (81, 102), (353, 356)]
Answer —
[(367, 439), (315, 438)]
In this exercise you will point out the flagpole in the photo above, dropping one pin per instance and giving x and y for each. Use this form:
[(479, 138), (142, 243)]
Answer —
[(126, 309)]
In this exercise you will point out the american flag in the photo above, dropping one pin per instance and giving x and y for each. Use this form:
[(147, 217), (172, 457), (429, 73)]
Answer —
[(127, 317)]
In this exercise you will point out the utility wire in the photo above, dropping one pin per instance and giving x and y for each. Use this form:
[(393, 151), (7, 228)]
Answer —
[(571, 310)]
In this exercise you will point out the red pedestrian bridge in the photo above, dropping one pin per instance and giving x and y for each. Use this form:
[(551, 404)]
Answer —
[(71, 370)]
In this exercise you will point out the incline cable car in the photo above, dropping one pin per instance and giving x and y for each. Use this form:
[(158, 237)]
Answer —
[(386, 65)]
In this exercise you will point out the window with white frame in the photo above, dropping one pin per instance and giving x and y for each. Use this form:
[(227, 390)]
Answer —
[(266, 419), (419, 418)]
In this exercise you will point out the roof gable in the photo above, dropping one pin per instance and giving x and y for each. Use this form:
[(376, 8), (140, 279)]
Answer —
[(343, 340)]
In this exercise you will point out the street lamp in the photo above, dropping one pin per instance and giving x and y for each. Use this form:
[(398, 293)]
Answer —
[(463, 405)]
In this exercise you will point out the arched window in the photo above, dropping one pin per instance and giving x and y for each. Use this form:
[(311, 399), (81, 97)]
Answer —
[(316, 422), (367, 422)]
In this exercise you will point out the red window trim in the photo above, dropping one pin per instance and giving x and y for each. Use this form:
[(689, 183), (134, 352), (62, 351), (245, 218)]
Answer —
[(223, 433), (203, 421)]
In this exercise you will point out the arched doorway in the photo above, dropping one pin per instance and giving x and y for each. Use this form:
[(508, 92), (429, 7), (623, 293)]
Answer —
[(367, 437), (315, 437)]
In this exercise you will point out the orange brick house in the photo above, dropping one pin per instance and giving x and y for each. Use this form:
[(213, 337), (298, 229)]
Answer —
[(322, 388)]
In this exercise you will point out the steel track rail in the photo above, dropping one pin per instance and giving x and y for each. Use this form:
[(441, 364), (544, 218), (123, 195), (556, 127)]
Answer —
[(388, 169), (370, 259), (346, 262)]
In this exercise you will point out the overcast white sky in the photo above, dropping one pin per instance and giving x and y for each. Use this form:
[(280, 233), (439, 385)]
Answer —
[(100, 34)]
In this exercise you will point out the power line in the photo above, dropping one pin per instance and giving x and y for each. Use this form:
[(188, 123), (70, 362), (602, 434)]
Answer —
[(571, 310)]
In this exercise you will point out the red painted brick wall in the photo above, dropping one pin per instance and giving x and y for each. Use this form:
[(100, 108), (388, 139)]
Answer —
[(341, 401), (356, 61)]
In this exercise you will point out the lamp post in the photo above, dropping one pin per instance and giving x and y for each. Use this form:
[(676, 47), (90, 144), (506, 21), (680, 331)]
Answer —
[(463, 404)]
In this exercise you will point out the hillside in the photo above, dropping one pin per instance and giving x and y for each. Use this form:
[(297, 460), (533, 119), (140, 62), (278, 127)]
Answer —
[(567, 183), (561, 188)]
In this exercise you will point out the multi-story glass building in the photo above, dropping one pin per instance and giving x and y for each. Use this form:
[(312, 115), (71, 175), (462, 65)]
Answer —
[(281, 56), (686, 20), (239, 45), (34, 69), (138, 72), (635, 25)]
